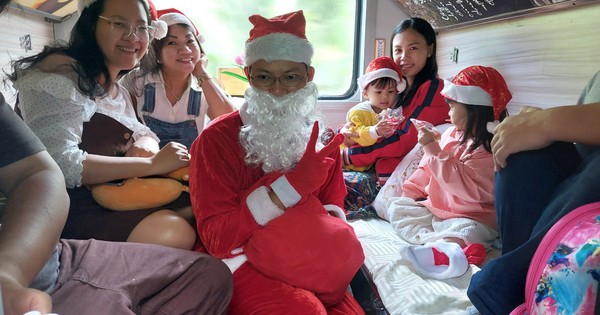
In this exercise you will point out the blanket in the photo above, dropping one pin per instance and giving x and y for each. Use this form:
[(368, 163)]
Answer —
[(402, 291)]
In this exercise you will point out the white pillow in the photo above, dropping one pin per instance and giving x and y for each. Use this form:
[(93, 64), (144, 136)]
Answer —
[(405, 168)]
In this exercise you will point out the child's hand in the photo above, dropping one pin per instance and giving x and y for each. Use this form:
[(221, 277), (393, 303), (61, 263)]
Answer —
[(385, 128), (349, 134), (426, 136), (429, 131)]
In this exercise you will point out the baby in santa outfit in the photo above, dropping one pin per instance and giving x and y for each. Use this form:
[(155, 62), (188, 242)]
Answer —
[(447, 204)]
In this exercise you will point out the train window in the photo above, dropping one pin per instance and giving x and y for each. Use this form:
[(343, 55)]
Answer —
[(332, 27)]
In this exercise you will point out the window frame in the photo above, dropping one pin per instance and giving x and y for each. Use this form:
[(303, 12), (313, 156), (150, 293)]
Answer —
[(357, 53)]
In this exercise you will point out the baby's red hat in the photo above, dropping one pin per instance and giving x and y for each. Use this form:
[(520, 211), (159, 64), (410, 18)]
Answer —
[(382, 67)]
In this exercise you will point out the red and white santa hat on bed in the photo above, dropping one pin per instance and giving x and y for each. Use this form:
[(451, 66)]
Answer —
[(173, 16), (441, 259), (479, 85), (279, 38), (382, 67)]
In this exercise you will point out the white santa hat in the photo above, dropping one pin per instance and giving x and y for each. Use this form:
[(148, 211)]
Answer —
[(173, 16), (279, 38), (479, 85), (382, 67)]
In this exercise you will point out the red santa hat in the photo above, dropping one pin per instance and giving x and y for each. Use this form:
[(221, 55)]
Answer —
[(173, 16), (479, 85), (382, 67), (161, 27), (279, 38), (442, 259)]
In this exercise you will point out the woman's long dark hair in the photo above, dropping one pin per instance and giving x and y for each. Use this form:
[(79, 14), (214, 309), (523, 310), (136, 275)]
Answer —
[(83, 47), (476, 127), (430, 71)]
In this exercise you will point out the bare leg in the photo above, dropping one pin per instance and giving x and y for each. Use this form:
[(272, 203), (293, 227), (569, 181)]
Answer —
[(164, 227)]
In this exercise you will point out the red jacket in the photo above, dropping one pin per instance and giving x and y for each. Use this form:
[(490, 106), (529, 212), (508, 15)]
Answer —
[(388, 152)]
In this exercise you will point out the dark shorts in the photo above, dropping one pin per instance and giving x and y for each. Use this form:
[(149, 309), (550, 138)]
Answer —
[(87, 219)]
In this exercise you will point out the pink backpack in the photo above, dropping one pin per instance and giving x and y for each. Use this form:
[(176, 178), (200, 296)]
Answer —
[(565, 270)]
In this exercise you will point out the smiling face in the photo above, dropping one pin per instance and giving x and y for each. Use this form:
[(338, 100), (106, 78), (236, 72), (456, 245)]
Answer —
[(410, 52), (120, 52), (278, 69), (180, 50)]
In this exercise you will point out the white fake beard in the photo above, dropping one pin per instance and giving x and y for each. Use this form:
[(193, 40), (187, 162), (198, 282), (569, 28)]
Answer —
[(278, 129)]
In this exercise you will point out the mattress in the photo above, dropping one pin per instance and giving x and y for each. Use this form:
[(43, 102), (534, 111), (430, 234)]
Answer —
[(401, 290)]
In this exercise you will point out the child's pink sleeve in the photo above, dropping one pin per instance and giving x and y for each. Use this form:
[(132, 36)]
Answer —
[(414, 186)]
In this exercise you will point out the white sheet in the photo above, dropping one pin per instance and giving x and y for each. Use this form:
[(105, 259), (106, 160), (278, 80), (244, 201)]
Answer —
[(401, 290)]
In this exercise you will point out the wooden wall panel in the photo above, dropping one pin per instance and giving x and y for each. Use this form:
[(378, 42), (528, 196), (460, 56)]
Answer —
[(13, 25), (546, 59)]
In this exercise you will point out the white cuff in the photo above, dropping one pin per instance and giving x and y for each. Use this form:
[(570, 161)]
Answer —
[(262, 208), (285, 191), (373, 132), (235, 262), (335, 211)]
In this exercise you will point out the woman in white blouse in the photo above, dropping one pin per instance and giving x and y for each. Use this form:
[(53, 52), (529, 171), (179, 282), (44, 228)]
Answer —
[(69, 96), (171, 89)]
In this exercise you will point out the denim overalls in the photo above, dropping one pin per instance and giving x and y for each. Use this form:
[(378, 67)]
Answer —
[(184, 132)]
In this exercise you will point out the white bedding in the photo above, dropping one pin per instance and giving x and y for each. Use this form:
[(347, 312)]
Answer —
[(401, 290)]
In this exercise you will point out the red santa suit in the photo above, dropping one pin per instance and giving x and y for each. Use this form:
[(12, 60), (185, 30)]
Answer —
[(297, 260), (231, 204)]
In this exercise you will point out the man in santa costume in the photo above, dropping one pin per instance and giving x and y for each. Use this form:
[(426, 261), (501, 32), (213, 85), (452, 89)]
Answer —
[(267, 187)]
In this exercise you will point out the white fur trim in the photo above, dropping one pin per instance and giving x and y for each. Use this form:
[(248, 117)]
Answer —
[(369, 77), (161, 29), (178, 18), (466, 94), (235, 262), (262, 208), (401, 86), (491, 125), (285, 191), (421, 257), (278, 46), (173, 18), (335, 211), (244, 113)]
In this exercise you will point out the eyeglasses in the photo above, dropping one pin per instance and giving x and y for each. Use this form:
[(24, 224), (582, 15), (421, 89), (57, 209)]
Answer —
[(288, 80), (142, 32)]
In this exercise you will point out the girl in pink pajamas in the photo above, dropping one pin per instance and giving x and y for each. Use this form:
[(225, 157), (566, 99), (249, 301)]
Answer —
[(448, 202)]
